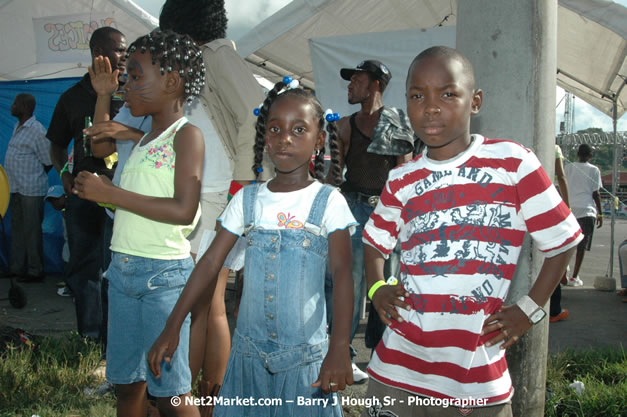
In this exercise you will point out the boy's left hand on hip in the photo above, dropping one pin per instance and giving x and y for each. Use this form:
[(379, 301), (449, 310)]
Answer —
[(510, 322)]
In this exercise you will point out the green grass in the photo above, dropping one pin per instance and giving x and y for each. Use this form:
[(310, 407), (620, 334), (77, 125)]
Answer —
[(49, 381), (604, 374)]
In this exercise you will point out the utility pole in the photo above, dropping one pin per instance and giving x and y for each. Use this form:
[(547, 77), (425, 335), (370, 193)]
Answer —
[(512, 45)]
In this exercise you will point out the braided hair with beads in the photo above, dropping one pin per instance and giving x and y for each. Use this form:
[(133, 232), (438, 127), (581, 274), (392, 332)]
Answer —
[(174, 52), (283, 89)]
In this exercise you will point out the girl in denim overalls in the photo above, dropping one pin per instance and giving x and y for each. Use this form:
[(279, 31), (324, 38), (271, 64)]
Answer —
[(156, 208), (280, 351)]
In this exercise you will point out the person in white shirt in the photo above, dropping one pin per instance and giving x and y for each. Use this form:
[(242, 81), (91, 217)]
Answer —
[(585, 203)]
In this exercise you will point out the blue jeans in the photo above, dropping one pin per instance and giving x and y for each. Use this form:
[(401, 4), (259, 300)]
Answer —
[(85, 227), (361, 211), (142, 294)]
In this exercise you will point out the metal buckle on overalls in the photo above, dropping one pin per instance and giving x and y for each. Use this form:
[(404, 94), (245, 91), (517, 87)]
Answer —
[(373, 200)]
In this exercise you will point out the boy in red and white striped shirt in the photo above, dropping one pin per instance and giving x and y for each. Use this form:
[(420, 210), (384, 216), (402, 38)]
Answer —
[(461, 210)]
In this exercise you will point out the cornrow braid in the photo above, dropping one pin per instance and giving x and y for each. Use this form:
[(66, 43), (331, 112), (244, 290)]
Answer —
[(335, 153), (319, 164), (260, 128), (175, 53)]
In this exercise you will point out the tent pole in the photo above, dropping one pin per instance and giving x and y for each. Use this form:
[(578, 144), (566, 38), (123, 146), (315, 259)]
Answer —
[(585, 84), (614, 175), (614, 187)]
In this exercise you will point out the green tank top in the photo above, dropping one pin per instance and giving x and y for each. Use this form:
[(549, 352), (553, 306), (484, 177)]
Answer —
[(150, 171)]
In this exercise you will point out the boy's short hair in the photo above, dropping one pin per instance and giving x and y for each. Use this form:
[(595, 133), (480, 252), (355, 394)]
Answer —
[(28, 101), (585, 151), (101, 35), (450, 53)]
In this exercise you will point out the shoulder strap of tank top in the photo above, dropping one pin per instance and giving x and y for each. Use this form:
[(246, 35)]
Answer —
[(174, 127), (319, 206), (249, 202), (355, 129)]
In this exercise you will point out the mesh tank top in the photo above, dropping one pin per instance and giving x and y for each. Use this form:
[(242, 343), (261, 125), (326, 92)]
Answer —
[(365, 172)]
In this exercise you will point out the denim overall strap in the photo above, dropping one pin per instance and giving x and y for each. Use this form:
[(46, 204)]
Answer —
[(250, 198), (318, 207)]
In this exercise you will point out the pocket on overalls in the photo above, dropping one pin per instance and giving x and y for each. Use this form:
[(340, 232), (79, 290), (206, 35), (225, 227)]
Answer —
[(285, 360)]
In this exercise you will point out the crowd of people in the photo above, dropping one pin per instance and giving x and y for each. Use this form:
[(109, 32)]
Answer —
[(424, 217)]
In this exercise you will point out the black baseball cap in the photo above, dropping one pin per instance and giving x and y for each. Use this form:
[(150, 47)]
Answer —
[(372, 66)]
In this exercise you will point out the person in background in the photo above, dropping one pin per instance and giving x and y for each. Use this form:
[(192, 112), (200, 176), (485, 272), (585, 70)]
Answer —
[(56, 198), (585, 203), (373, 140), (85, 220), (556, 312), (622, 259), (27, 162)]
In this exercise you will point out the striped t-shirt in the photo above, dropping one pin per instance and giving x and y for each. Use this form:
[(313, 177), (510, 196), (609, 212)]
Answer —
[(461, 224)]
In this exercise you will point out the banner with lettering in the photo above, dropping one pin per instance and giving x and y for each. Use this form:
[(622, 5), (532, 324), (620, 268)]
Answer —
[(66, 38)]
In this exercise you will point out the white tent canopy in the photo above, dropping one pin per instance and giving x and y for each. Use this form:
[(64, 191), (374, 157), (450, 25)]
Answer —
[(49, 39), (592, 41)]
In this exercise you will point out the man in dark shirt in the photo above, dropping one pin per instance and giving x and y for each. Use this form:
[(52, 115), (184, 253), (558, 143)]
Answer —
[(84, 219), (372, 142)]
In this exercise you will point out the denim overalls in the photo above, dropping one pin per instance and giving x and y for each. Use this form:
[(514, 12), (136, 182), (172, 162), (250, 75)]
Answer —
[(280, 339)]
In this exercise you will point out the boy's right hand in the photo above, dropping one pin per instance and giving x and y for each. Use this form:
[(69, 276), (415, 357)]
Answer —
[(163, 348), (387, 299), (103, 80)]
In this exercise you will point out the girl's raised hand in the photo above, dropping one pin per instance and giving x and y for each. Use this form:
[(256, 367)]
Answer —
[(336, 371), (93, 187), (163, 348), (103, 80)]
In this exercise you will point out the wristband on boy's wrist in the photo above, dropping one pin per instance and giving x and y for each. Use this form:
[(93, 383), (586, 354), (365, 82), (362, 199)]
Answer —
[(375, 287)]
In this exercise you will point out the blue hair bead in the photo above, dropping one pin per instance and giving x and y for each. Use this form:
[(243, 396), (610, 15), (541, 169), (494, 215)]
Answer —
[(287, 79), (329, 117), (259, 170), (256, 111), (336, 117)]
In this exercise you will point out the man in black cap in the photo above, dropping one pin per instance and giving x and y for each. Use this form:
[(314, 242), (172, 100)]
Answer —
[(372, 142)]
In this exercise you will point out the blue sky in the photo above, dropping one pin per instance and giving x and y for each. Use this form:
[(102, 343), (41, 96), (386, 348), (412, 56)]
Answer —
[(245, 14)]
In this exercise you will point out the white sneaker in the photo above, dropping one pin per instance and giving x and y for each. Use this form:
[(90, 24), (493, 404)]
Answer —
[(64, 292), (574, 282), (359, 376)]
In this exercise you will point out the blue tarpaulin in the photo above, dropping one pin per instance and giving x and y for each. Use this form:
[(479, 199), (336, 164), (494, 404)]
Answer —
[(46, 93)]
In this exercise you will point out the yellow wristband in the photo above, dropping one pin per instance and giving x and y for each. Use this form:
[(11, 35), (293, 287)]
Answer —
[(375, 287)]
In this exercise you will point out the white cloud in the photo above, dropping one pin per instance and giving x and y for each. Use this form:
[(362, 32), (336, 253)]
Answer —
[(585, 115), (246, 14)]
